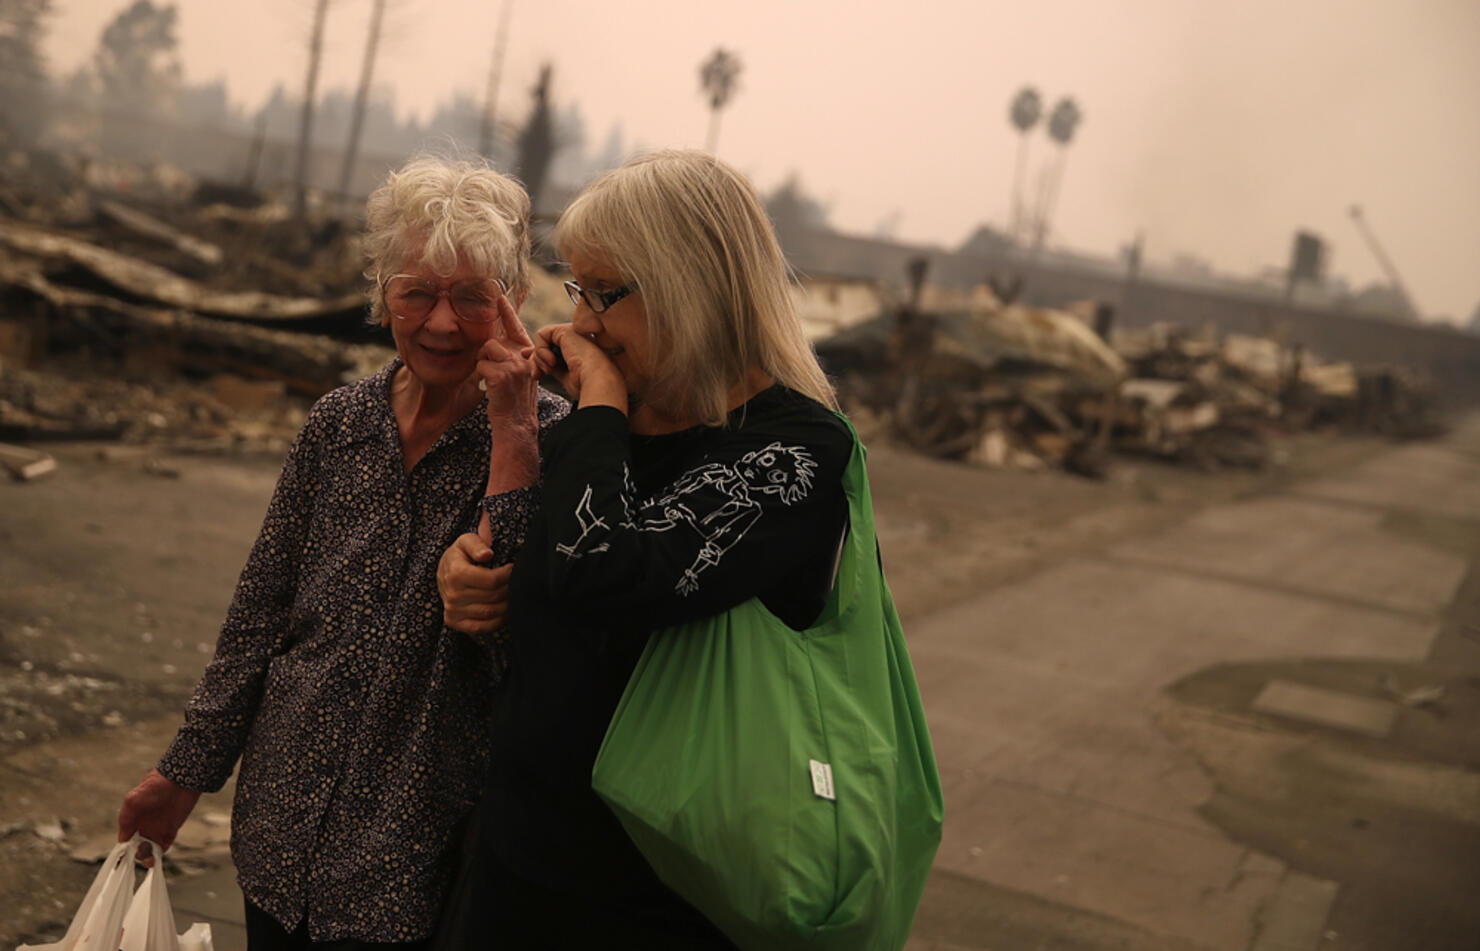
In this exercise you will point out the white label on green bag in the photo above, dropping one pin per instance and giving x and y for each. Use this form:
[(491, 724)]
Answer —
[(822, 784)]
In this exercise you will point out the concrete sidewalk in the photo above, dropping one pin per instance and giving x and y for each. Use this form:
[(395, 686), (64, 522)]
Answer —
[(1068, 797)]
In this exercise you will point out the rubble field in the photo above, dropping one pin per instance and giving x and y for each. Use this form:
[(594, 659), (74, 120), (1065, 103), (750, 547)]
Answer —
[(164, 277)]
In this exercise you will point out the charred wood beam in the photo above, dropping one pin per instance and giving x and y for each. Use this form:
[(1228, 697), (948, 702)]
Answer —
[(150, 282), (305, 364), (149, 227)]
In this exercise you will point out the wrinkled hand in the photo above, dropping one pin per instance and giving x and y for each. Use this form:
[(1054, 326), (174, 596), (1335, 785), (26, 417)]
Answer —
[(475, 597), (578, 364), (155, 809), (506, 372)]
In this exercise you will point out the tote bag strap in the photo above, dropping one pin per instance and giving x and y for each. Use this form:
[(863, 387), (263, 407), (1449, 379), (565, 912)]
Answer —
[(858, 568)]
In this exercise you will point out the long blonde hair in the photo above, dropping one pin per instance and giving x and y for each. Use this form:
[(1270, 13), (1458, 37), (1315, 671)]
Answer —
[(692, 234)]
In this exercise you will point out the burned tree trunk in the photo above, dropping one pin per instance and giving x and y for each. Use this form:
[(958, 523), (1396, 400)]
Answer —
[(362, 98), (305, 122)]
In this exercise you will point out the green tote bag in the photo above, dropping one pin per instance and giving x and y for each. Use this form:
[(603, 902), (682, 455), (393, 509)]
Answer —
[(783, 781)]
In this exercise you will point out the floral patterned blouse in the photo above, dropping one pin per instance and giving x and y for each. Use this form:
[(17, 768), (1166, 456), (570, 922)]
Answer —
[(359, 719)]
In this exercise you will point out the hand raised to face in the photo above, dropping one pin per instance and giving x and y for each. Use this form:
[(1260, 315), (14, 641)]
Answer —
[(581, 367), (506, 371)]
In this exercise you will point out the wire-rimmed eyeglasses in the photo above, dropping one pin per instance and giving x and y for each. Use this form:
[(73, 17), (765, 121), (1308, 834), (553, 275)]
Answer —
[(598, 301), (408, 297)]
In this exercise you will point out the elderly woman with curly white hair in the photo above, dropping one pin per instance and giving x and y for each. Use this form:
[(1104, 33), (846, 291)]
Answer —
[(358, 718)]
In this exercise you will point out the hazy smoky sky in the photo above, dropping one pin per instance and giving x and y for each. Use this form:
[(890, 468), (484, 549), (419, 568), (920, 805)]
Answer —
[(1216, 128)]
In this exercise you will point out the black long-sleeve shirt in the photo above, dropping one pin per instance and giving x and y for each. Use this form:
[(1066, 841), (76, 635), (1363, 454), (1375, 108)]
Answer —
[(634, 534)]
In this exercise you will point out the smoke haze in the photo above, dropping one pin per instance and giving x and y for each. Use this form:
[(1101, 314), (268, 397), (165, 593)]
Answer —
[(1217, 129)]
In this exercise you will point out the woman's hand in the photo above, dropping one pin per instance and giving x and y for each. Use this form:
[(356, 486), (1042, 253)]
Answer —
[(475, 597), (155, 809), (507, 374), (586, 373)]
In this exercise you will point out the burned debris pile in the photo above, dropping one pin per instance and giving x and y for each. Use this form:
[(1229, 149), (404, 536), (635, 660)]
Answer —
[(206, 314), (197, 316), (101, 258), (993, 387), (225, 414), (1006, 385)]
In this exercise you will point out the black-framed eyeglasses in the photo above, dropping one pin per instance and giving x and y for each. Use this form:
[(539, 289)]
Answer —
[(598, 301), (409, 297)]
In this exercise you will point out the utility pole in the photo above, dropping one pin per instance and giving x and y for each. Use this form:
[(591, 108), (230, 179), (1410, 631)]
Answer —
[(1384, 261), (490, 101)]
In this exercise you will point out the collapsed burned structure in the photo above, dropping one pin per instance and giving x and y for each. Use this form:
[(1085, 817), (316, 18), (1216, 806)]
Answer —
[(1030, 387), (223, 315)]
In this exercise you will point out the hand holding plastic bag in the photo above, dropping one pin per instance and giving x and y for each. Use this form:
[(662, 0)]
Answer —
[(110, 920)]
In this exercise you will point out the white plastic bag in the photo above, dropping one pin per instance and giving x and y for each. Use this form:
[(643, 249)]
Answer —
[(99, 918), (109, 920), (150, 922)]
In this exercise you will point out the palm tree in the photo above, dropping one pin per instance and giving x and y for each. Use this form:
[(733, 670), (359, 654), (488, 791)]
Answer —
[(718, 78), (1026, 109), (1062, 123)]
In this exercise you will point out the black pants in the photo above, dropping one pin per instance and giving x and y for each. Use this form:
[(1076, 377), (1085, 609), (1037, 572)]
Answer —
[(265, 934), (512, 912)]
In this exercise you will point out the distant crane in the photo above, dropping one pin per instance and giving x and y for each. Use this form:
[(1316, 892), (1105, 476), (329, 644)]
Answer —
[(1394, 278)]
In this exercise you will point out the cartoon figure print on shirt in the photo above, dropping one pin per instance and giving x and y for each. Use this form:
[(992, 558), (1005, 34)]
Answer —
[(589, 522), (719, 502)]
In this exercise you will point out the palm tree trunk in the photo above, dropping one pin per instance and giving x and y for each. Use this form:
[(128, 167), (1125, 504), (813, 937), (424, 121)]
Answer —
[(1015, 209), (1054, 188), (713, 138), (1039, 225)]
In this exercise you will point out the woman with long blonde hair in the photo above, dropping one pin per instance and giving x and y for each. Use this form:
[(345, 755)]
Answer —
[(700, 468)]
